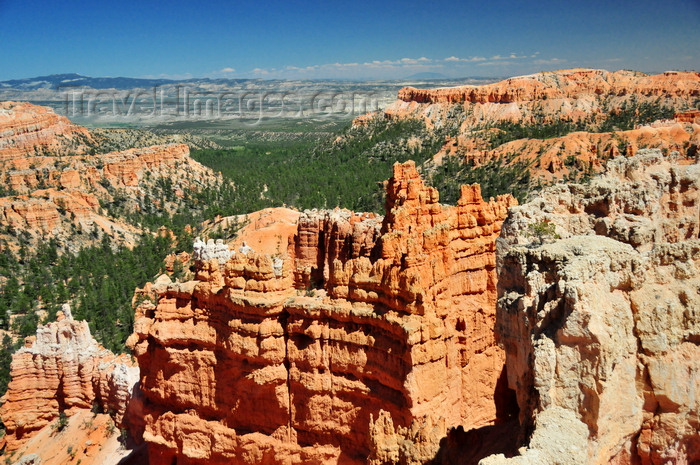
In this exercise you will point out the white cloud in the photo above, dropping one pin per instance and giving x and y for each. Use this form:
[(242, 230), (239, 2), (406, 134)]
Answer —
[(397, 68), (511, 56), (498, 62), (227, 70), (168, 76), (551, 61), (464, 60)]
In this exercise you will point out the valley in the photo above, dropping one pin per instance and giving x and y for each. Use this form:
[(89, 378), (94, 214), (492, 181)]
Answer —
[(413, 284)]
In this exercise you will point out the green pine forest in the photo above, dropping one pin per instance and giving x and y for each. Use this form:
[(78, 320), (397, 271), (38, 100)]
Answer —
[(346, 170)]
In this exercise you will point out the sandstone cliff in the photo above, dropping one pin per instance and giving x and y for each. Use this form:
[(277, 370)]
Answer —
[(579, 153), (562, 85), (599, 318), (32, 129), (471, 118), (365, 340), (63, 369), (56, 185)]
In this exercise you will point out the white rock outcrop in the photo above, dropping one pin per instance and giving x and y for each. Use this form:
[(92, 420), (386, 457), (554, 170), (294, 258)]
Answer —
[(600, 318)]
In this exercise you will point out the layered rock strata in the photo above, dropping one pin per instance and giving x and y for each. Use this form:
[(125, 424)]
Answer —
[(473, 118), (56, 185), (565, 84), (64, 197), (599, 314), (580, 153), (32, 129), (363, 342), (63, 369)]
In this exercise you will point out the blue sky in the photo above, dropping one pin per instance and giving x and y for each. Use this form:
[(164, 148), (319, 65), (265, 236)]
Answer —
[(348, 39)]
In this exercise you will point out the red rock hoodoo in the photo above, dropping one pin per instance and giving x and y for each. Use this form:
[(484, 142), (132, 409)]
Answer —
[(364, 342), (63, 369)]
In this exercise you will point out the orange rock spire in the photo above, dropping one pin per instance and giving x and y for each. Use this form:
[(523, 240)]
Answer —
[(367, 333)]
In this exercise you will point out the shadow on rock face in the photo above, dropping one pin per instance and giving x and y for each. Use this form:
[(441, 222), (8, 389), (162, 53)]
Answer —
[(461, 447), (138, 456)]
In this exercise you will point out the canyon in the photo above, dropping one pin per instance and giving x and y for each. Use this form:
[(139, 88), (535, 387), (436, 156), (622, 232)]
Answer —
[(366, 337), (58, 185), (430, 334), (560, 331)]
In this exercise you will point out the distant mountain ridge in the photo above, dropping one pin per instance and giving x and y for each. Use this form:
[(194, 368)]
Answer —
[(427, 75), (57, 81)]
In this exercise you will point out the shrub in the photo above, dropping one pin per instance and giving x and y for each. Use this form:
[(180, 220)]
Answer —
[(541, 231), (61, 423)]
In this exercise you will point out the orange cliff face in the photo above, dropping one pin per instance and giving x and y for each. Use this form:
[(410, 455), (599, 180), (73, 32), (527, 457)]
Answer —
[(32, 129), (56, 201), (581, 152), (56, 186), (690, 116), (63, 369), (365, 340), (582, 96), (565, 84)]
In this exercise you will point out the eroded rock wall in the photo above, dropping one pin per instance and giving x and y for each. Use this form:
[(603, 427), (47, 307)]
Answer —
[(32, 129), (55, 185), (600, 317), (565, 84), (581, 152), (364, 342), (63, 369), (476, 118)]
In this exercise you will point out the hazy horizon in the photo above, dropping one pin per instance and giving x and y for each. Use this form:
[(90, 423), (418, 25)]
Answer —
[(358, 41)]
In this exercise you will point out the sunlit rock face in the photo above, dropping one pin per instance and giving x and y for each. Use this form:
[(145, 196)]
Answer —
[(57, 184), (362, 342), (579, 98), (63, 369), (600, 317)]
